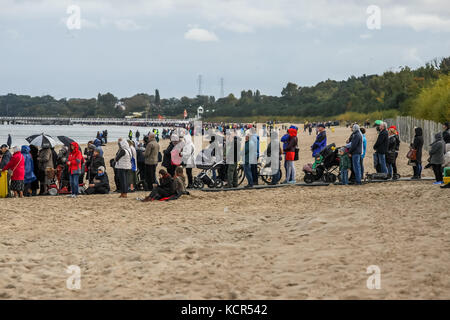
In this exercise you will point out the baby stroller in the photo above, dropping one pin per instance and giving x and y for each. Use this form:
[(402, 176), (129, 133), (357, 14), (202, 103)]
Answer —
[(326, 165), (205, 177)]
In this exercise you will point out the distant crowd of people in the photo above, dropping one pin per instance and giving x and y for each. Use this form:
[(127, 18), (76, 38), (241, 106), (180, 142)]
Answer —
[(136, 161)]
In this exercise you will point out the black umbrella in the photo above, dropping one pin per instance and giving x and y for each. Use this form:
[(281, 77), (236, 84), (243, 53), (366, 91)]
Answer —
[(66, 140), (31, 138), (41, 141)]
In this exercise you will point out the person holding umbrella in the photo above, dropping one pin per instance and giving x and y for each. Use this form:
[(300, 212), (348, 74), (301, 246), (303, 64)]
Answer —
[(74, 162), (45, 160)]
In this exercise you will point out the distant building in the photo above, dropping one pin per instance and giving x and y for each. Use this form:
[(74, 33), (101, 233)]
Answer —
[(120, 105)]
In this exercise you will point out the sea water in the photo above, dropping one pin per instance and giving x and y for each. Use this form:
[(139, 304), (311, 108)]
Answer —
[(79, 133)]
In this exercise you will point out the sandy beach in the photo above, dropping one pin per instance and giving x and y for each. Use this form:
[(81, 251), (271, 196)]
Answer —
[(286, 243)]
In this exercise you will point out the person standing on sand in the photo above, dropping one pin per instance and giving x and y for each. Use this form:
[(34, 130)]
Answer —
[(446, 132), (381, 148), (122, 163), (363, 132), (9, 141), (6, 155), (355, 152), (29, 177), (138, 135), (417, 145), (290, 155), (437, 157), (17, 165), (151, 160), (74, 162), (130, 135), (247, 168), (393, 147)]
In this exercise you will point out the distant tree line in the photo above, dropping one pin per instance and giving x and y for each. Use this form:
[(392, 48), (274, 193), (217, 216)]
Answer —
[(423, 92)]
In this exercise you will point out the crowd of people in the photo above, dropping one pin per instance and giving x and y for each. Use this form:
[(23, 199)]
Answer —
[(136, 161)]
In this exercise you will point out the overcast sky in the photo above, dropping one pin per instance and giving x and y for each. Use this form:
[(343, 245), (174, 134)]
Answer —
[(129, 47)]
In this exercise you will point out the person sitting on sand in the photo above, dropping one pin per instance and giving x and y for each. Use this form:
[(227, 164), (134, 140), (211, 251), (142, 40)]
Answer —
[(180, 182), (100, 184), (165, 189)]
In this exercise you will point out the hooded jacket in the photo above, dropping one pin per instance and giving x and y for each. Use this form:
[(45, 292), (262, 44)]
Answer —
[(75, 159), (292, 144), (29, 165), (356, 146), (437, 150), (17, 165), (123, 156), (188, 152), (320, 143), (418, 144)]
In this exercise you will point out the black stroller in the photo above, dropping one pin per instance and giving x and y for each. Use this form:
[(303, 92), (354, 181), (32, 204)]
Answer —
[(327, 168), (205, 177)]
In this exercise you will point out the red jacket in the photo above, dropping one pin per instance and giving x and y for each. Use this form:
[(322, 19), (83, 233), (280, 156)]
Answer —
[(292, 144), (17, 164), (76, 159)]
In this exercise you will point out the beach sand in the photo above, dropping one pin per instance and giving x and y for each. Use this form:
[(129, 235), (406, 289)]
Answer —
[(285, 243)]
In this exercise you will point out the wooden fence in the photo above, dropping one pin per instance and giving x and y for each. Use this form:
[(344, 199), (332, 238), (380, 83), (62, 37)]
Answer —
[(406, 125)]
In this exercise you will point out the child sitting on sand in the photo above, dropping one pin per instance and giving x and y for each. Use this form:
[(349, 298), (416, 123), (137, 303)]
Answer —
[(344, 165)]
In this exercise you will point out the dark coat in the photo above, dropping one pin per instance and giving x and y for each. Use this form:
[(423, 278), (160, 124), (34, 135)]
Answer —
[(437, 150), (5, 159), (382, 143), (167, 184), (93, 164), (167, 157), (418, 144)]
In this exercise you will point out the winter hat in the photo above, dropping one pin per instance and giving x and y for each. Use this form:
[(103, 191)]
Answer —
[(102, 168), (4, 146), (321, 125), (174, 138)]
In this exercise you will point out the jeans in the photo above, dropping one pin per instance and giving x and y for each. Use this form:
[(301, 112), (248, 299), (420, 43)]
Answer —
[(356, 163), (290, 174), (417, 169), (74, 181), (381, 162), (248, 174), (344, 176)]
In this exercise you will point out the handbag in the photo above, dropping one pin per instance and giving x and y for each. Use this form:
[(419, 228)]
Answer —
[(412, 154), (296, 154)]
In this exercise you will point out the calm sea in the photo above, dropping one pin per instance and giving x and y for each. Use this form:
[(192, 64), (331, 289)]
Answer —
[(79, 133)]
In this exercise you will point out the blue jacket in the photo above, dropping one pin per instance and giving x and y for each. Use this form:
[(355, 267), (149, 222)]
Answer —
[(285, 139), (97, 143), (319, 144), (364, 146), (29, 165)]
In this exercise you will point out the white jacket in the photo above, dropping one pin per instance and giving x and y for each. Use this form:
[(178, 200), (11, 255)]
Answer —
[(125, 161), (188, 152)]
